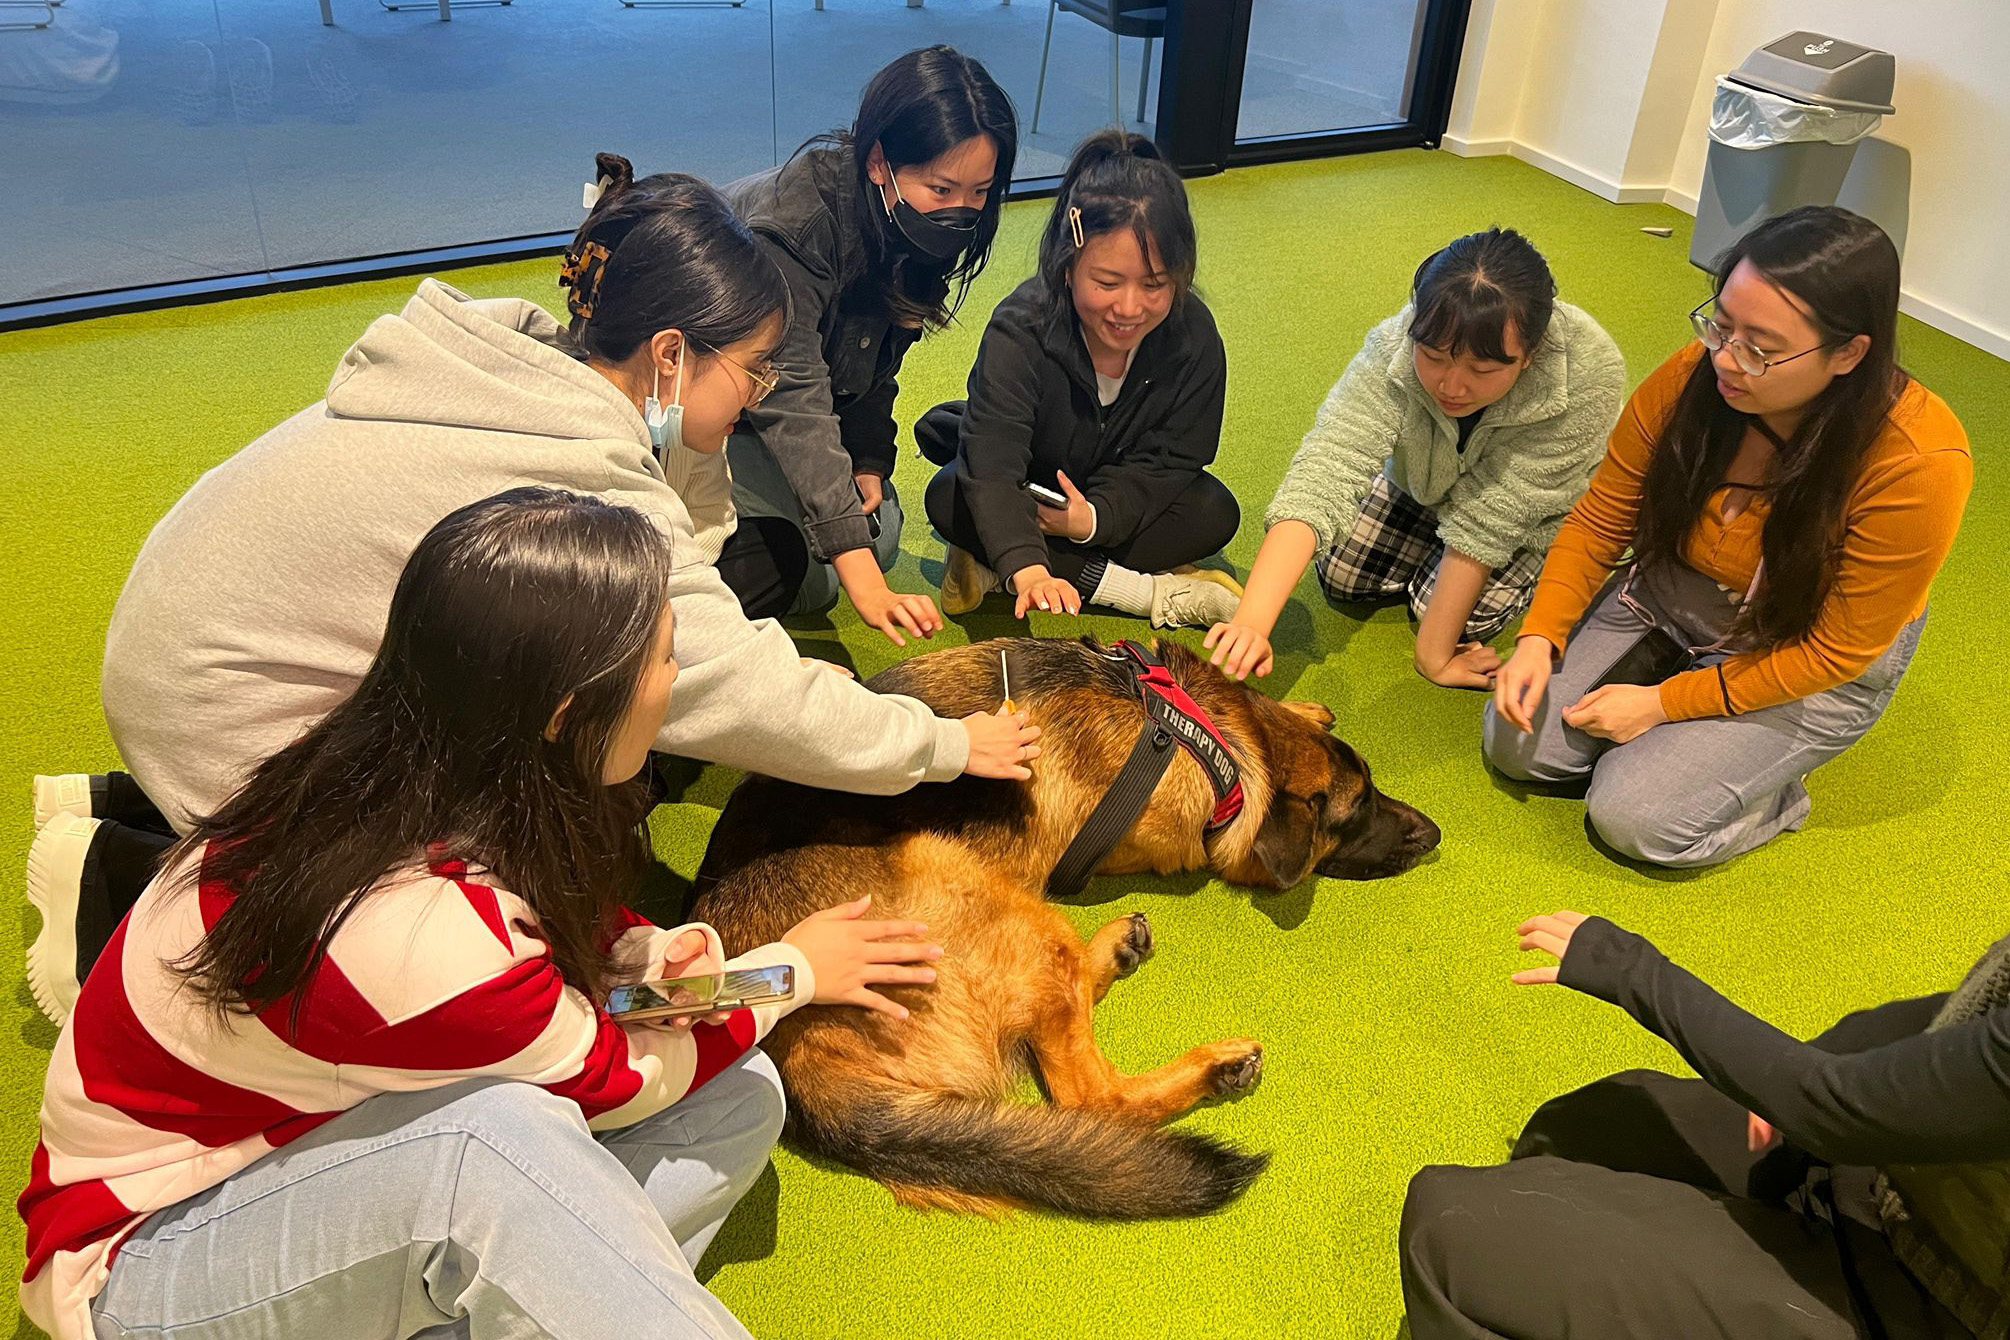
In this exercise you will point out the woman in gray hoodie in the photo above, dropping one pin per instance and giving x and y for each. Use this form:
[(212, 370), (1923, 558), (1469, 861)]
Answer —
[(1443, 463), (259, 600)]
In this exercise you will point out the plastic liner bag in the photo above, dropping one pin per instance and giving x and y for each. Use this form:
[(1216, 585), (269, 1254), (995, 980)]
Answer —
[(1743, 117)]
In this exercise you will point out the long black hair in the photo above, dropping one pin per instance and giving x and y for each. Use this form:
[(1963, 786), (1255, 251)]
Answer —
[(507, 609), (664, 253), (917, 109), (1465, 296), (1843, 271), (1117, 180)]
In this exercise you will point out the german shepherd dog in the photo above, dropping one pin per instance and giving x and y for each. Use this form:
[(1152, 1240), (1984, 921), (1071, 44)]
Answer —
[(923, 1104)]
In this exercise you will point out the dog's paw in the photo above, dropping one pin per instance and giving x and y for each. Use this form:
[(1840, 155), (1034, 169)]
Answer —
[(1136, 946), (1238, 1073)]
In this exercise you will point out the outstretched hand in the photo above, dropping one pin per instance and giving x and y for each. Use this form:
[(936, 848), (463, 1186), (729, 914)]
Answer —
[(1240, 650), (851, 955), (1038, 587), (1547, 935)]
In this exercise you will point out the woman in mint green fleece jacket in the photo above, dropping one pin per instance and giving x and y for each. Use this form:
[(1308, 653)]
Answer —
[(1442, 464)]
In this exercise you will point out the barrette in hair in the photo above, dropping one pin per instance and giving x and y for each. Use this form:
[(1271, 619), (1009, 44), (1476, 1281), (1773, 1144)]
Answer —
[(581, 272), (589, 194), (1075, 226)]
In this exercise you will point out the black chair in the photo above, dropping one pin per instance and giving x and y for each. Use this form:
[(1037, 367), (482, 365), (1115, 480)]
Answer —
[(1121, 19)]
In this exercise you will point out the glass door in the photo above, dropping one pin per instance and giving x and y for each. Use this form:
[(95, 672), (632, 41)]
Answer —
[(168, 151)]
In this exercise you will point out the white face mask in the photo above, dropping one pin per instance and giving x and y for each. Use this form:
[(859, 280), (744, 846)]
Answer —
[(666, 422)]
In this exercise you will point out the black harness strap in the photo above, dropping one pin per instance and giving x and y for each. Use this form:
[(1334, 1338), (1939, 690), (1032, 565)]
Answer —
[(1116, 813), (1174, 721)]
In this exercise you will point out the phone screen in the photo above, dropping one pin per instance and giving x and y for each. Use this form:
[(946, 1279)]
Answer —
[(703, 995), (1655, 657), (676, 993)]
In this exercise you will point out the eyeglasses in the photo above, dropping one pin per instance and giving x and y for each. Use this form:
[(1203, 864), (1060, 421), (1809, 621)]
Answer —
[(765, 380), (1751, 361)]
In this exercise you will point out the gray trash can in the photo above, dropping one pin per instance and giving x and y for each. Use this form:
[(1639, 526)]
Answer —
[(1783, 131)]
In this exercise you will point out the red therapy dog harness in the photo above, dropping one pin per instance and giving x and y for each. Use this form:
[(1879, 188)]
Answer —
[(1174, 719)]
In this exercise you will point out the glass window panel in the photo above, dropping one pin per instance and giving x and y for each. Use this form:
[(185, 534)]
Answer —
[(149, 142), (1325, 65)]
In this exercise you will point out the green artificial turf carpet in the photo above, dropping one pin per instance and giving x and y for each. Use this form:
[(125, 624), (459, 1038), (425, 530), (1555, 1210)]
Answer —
[(1394, 1039)]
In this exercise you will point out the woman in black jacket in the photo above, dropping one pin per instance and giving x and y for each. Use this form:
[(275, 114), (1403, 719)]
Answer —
[(1855, 1185), (1100, 380), (873, 228)]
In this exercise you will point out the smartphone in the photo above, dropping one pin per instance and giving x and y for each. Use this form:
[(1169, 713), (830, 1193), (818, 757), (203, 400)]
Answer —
[(675, 997), (1046, 495), (1649, 661)]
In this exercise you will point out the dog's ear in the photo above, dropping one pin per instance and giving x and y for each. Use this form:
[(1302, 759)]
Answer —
[(1284, 843), (1318, 714)]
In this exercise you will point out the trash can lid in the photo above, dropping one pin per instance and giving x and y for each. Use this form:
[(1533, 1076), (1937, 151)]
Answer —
[(1826, 71)]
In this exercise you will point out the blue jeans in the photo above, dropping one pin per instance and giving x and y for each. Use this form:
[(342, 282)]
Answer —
[(484, 1208)]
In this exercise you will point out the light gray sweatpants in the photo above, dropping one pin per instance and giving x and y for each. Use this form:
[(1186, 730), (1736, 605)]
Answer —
[(1690, 793), (483, 1210)]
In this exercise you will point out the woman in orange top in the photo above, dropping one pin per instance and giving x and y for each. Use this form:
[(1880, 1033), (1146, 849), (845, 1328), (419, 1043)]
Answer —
[(1787, 493)]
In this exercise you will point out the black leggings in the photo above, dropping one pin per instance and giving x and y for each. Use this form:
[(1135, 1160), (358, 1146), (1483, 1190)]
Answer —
[(1631, 1207), (764, 563), (1201, 520), (125, 854)]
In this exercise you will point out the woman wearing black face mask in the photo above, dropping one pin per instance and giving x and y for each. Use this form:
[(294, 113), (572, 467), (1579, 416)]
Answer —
[(879, 231)]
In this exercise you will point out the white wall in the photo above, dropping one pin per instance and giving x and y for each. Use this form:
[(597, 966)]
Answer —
[(1614, 95), (1951, 135), (1499, 37), (1680, 49), (1532, 68)]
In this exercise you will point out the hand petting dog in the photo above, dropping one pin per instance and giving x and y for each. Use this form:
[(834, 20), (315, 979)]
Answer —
[(1002, 744), (850, 955)]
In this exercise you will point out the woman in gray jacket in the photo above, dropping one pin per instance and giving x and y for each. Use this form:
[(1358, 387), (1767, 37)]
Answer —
[(1442, 464), (879, 231)]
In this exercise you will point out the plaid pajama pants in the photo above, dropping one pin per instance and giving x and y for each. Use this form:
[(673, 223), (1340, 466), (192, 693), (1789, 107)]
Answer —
[(1394, 550)]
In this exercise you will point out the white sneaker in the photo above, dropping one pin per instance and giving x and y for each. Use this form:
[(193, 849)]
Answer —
[(69, 793), (55, 878), (1198, 600)]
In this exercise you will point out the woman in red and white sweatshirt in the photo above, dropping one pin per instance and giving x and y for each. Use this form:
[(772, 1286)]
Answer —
[(344, 1069)]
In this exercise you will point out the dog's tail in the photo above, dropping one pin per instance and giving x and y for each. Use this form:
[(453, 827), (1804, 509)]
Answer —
[(979, 1153)]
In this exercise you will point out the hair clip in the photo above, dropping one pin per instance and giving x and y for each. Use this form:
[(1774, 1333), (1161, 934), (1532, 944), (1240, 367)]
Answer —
[(1075, 226), (581, 272), (589, 194)]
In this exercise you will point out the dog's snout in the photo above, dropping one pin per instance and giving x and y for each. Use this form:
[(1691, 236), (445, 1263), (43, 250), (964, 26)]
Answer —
[(1423, 834), (1397, 838)]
